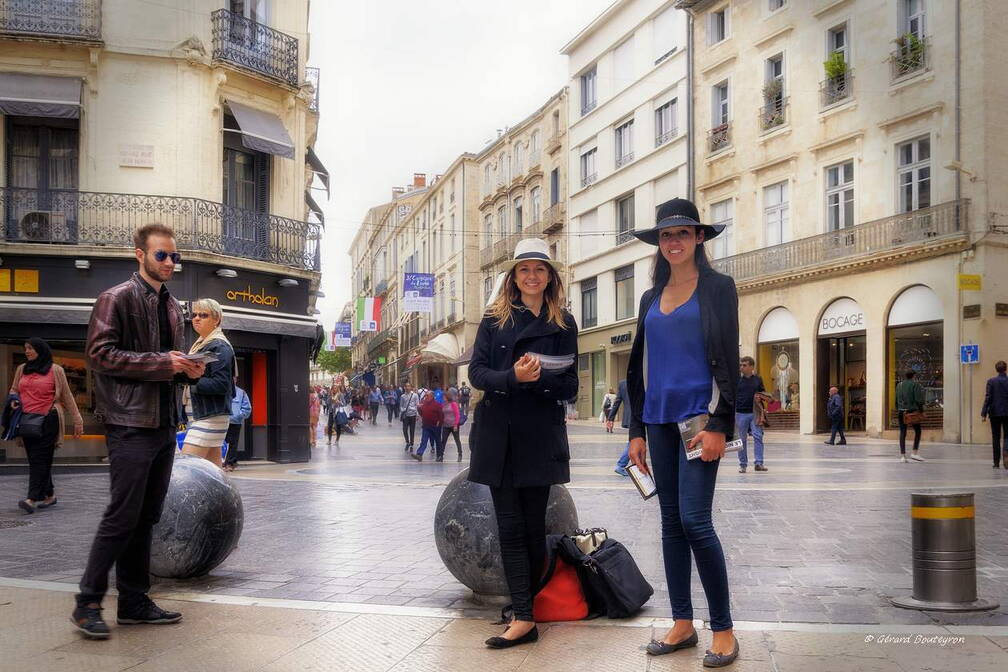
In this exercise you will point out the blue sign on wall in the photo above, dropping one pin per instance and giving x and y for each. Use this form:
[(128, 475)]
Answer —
[(418, 293), (969, 354)]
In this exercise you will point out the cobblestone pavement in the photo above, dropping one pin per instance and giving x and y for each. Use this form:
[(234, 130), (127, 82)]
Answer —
[(222, 637), (823, 537)]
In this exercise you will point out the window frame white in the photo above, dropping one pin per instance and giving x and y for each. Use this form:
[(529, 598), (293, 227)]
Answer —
[(535, 200), (721, 246), (623, 143), (722, 24), (588, 157), (913, 170), (662, 133), (840, 191), (589, 89), (776, 215), (720, 108), (623, 279), (516, 206)]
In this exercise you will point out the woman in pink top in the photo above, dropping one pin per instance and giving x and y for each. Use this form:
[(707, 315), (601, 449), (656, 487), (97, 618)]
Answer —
[(452, 418), (43, 389)]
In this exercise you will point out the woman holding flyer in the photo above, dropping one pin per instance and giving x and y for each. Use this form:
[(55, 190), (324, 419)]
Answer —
[(210, 396), (523, 360), (681, 379)]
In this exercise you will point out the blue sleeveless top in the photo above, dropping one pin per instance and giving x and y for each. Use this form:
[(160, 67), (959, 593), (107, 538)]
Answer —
[(679, 382)]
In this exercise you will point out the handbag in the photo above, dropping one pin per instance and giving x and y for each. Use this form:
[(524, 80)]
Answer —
[(611, 573), (589, 540), (913, 417), (561, 598), (31, 425)]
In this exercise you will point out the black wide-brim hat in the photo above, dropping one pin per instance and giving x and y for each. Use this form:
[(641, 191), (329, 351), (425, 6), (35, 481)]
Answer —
[(677, 212)]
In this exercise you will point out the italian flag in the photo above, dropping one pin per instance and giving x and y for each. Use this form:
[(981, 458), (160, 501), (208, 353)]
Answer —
[(368, 313)]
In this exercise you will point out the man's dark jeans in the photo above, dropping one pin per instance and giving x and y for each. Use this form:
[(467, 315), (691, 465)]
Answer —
[(837, 426), (409, 428), (999, 429), (140, 466)]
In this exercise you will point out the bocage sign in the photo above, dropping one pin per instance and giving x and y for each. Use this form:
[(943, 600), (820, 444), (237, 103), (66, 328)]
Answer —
[(843, 316), (249, 296)]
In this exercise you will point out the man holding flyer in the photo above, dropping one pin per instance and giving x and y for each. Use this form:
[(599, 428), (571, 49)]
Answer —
[(133, 349)]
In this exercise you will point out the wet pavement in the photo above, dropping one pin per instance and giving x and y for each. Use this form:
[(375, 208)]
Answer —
[(823, 537)]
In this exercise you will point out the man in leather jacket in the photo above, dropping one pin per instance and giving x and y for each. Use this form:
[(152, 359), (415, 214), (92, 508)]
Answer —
[(133, 350)]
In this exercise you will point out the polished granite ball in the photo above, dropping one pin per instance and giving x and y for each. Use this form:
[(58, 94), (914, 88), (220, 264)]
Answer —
[(200, 523), (465, 531)]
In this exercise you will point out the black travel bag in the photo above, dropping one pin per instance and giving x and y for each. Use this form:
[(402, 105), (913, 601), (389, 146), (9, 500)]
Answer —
[(612, 578)]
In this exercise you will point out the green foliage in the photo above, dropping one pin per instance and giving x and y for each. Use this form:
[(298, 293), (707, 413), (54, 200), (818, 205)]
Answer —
[(773, 89), (334, 361), (835, 66)]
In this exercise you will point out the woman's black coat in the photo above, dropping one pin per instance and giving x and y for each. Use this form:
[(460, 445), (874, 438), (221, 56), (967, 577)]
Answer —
[(718, 300), (525, 418)]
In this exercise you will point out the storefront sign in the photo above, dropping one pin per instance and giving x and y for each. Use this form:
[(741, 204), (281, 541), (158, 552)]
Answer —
[(620, 338), (971, 311), (136, 156), (248, 296), (969, 354), (842, 316), (418, 292), (1001, 310), (339, 337), (970, 282)]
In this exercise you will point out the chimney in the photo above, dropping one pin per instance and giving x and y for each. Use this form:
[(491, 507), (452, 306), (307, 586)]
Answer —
[(397, 192), (419, 180)]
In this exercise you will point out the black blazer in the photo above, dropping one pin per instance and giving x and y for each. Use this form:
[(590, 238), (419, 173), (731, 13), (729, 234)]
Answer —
[(996, 398), (622, 399), (526, 419), (719, 318)]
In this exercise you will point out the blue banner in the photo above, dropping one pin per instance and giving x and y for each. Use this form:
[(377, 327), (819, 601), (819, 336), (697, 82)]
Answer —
[(418, 293), (340, 336)]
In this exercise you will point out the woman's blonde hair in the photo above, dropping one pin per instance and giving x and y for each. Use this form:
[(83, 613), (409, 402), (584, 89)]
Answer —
[(211, 306), (553, 298)]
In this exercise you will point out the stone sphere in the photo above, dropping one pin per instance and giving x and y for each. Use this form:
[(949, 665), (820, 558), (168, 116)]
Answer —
[(465, 531), (200, 523)]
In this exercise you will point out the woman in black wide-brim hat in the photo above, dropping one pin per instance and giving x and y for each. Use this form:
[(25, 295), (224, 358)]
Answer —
[(685, 363), (519, 436)]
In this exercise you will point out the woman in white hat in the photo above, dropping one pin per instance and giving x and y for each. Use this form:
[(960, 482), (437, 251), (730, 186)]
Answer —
[(519, 436), (684, 365)]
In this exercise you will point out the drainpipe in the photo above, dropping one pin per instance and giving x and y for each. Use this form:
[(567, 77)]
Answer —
[(959, 213), (690, 140)]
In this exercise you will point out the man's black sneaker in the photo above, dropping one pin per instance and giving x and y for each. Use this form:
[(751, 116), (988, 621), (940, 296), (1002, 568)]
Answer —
[(144, 611), (89, 621)]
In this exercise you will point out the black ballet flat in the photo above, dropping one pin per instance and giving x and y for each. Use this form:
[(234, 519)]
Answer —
[(656, 648), (712, 659), (502, 643)]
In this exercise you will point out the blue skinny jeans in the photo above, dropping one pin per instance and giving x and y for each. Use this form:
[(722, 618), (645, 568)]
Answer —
[(685, 497)]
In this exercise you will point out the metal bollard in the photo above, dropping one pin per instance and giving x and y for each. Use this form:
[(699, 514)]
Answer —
[(944, 554)]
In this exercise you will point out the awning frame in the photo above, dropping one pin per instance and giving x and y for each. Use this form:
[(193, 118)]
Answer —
[(30, 95), (312, 159), (261, 131)]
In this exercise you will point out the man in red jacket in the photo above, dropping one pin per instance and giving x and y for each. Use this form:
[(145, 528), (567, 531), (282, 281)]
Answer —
[(431, 416)]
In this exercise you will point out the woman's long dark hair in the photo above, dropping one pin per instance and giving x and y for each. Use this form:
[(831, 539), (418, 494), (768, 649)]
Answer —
[(43, 362), (661, 271)]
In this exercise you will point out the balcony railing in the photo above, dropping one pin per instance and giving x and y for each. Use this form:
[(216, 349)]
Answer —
[(911, 57), (718, 138), (255, 47), (312, 77), (553, 218), (773, 114), (553, 143), (588, 179), (624, 160), (834, 90), (863, 240), (665, 137), (624, 237), (52, 19), (109, 219), (588, 107)]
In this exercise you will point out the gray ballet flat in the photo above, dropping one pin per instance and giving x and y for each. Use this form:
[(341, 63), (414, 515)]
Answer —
[(656, 648), (720, 659)]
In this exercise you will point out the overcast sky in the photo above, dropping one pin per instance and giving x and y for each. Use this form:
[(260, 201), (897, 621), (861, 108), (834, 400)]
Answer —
[(408, 86)]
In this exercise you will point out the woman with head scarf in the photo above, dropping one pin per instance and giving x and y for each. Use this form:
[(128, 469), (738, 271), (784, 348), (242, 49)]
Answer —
[(45, 396)]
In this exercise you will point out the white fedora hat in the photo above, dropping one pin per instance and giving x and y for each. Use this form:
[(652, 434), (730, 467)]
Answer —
[(532, 249)]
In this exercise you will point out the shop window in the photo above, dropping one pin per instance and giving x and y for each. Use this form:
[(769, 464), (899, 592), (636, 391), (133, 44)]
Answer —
[(918, 348), (70, 356), (777, 365)]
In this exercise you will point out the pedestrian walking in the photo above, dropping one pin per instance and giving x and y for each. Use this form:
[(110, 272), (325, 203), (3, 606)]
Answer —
[(622, 400), (375, 400), (607, 402), (687, 336), (452, 418), (910, 407), (834, 411), (465, 395), (409, 408), (44, 398), (398, 396), (314, 411), (431, 421), (745, 418), (995, 407), (241, 410), (390, 404), (210, 396), (519, 434), (134, 371)]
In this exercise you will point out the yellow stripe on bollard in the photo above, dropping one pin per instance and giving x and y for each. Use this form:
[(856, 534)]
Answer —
[(942, 512)]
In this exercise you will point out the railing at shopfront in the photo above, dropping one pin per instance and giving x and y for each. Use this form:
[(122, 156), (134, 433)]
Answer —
[(60, 19), (108, 219), (890, 233), (255, 47)]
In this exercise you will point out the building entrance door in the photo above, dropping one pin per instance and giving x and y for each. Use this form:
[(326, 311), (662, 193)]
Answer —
[(598, 381), (841, 362)]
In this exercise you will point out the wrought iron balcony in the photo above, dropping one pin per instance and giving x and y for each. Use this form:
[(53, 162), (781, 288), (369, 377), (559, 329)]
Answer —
[(624, 237), (665, 137), (553, 218), (773, 114), (312, 77), (588, 179), (52, 19), (588, 107), (108, 219), (912, 56), (624, 160), (834, 90), (254, 47), (939, 224), (719, 138)]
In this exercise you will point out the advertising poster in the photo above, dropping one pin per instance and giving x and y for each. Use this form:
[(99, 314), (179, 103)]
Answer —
[(418, 293)]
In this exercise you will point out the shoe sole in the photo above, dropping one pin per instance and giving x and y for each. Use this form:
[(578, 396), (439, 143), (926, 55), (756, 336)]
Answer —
[(160, 621), (90, 635)]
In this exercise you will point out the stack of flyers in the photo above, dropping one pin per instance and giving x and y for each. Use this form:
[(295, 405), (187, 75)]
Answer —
[(690, 427), (553, 362)]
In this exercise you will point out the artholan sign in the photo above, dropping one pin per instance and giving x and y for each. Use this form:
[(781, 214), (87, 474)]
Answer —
[(842, 316)]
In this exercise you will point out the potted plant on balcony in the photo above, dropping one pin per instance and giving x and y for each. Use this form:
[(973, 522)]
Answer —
[(836, 76), (773, 109), (909, 53)]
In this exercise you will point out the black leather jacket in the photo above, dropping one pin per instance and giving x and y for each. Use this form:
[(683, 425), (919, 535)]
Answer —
[(719, 317)]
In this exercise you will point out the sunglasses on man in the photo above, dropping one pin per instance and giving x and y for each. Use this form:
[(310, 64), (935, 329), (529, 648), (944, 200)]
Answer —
[(161, 255)]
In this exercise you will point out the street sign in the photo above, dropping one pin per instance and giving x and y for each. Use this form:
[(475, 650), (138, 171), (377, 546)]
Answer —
[(969, 354), (970, 281)]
